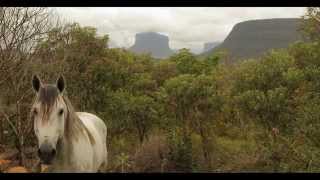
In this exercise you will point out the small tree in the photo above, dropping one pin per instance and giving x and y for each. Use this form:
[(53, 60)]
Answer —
[(311, 23), (21, 30), (191, 102), (132, 113), (186, 62)]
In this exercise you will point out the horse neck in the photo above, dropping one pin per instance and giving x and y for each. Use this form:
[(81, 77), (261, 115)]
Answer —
[(73, 124), (72, 134)]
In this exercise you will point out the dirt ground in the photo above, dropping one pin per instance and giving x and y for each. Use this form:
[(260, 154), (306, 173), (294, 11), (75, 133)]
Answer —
[(9, 162)]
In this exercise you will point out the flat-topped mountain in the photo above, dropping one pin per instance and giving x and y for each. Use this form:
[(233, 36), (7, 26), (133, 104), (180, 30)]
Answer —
[(151, 42), (253, 38)]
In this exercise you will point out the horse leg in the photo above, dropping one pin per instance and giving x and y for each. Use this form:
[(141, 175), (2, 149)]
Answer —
[(104, 165), (103, 168)]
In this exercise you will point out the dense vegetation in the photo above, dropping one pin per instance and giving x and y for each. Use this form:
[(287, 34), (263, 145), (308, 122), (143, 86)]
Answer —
[(178, 114)]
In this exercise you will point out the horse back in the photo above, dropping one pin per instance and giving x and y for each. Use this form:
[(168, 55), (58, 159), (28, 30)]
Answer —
[(93, 122)]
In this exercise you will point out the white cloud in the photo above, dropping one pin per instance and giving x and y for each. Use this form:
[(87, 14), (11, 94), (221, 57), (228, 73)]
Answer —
[(186, 27)]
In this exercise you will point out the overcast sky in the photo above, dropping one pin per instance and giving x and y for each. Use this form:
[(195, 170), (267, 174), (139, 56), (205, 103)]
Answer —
[(185, 27)]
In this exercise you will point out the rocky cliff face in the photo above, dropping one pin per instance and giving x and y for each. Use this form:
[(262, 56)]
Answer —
[(253, 38), (151, 42)]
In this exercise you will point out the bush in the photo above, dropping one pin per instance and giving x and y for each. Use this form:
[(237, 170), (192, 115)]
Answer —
[(152, 155), (180, 151)]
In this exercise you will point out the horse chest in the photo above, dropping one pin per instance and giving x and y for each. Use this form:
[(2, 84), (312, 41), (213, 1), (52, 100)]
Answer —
[(79, 158)]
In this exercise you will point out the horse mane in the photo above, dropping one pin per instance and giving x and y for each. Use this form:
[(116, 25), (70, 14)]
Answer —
[(73, 125), (47, 97)]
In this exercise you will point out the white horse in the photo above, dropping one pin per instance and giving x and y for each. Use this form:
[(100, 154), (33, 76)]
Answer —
[(68, 141)]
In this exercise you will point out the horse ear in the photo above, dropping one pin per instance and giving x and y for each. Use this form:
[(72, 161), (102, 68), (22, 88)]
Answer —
[(61, 84), (36, 83)]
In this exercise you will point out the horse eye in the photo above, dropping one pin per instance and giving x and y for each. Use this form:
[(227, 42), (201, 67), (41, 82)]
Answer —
[(61, 112)]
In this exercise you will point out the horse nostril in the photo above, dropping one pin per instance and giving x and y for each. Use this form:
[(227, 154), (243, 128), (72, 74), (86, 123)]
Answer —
[(53, 152), (39, 152)]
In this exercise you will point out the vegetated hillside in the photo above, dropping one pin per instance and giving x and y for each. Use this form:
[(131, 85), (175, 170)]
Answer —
[(253, 38), (151, 42)]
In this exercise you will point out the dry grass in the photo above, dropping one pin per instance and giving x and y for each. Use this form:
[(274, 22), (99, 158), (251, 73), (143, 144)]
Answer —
[(9, 161), (17, 169), (152, 155)]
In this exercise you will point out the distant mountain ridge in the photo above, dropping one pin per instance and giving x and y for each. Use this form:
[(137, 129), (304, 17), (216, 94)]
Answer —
[(152, 42), (209, 45), (253, 38)]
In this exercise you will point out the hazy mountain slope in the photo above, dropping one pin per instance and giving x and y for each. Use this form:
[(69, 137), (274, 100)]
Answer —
[(209, 46), (253, 38)]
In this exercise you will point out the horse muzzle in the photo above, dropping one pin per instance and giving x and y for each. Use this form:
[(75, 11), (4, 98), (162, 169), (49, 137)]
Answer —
[(46, 153)]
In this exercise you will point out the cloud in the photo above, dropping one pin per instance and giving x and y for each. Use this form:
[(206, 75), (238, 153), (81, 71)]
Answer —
[(186, 27)]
